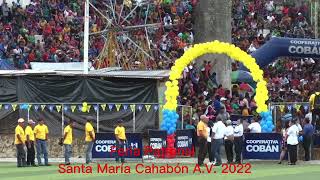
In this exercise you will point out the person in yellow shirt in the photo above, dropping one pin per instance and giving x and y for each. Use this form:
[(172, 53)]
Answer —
[(90, 138), (202, 134), (67, 141), (120, 134), (19, 141), (30, 143), (314, 103), (41, 134)]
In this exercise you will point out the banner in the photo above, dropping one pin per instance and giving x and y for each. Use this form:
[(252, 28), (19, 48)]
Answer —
[(262, 146), (184, 142), (157, 139), (105, 146)]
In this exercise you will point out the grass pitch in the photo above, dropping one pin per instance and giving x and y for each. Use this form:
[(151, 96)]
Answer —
[(259, 171)]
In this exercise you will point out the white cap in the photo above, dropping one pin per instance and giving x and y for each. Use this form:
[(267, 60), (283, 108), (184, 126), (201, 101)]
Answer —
[(21, 120), (31, 121), (223, 99)]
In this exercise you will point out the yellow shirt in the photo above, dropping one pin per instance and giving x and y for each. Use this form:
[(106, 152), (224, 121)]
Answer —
[(203, 128), (311, 100), (40, 131), (89, 128), (68, 139), (29, 132), (120, 132), (19, 131)]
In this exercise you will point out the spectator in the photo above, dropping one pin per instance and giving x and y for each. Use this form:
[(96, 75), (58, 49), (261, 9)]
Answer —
[(308, 131)]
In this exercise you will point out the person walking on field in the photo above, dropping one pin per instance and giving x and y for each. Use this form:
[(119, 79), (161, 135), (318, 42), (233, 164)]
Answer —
[(41, 133), (67, 141), (90, 138), (120, 134), (228, 141), (292, 142), (202, 138), (19, 141), (308, 131), (238, 141), (30, 143)]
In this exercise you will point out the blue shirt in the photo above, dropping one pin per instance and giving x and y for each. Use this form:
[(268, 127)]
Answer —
[(308, 130)]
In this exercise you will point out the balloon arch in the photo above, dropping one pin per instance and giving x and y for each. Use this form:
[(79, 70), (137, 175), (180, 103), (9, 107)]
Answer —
[(170, 115)]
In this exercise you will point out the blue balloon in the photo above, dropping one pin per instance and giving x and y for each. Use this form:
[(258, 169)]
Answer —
[(264, 127), (272, 126), (269, 118), (269, 123), (300, 138)]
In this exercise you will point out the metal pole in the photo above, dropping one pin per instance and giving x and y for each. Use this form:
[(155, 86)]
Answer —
[(182, 119), (62, 119), (134, 120), (28, 113), (316, 19), (98, 118), (86, 38)]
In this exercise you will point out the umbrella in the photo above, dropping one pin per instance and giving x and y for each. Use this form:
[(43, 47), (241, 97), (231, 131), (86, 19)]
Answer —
[(246, 87), (241, 76)]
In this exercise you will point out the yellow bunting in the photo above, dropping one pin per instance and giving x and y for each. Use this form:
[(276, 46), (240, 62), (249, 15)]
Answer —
[(0, 106), (148, 107), (216, 47), (29, 106), (118, 107), (58, 107), (297, 107), (14, 107), (281, 108), (42, 107), (88, 108), (103, 106), (133, 107), (73, 108)]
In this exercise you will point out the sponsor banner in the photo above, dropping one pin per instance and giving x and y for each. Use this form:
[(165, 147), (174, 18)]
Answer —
[(105, 146), (157, 139), (184, 141), (262, 146)]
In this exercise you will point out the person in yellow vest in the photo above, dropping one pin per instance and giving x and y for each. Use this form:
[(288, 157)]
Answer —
[(41, 134), (19, 141), (67, 141), (30, 143), (314, 102), (90, 138), (120, 134), (202, 134)]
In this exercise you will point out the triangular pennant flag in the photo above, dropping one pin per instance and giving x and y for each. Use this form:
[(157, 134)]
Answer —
[(297, 107), (29, 106), (306, 107), (110, 106), (272, 108), (88, 107), (14, 107), (103, 106), (125, 107), (118, 106), (0, 106), (42, 107), (58, 107), (281, 108), (161, 106), (140, 107), (51, 108), (80, 107), (65, 108), (148, 106), (6, 106), (156, 107), (290, 107), (73, 108), (133, 107), (36, 107), (96, 107)]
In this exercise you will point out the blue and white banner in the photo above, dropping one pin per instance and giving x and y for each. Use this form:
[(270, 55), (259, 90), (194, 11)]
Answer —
[(157, 139), (184, 140), (105, 146), (262, 146)]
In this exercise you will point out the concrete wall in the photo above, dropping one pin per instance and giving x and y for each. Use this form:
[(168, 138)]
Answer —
[(213, 22)]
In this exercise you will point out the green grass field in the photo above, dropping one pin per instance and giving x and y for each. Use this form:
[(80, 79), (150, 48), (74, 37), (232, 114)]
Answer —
[(260, 171)]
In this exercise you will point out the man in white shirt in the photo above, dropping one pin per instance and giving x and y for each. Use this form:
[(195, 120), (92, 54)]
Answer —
[(292, 141), (255, 127), (217, 136), (238, 139), (228, 141)]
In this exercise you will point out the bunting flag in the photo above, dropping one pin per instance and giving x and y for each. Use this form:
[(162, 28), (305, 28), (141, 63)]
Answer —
[(80, 108), (103, 106), (6, 107), (73, 108), (65, 108), (36, 107), (161, 106), (51, 108), (118, 106), (140, 107), (125, 107), (42, 107), (110, 106), (14, 107), (96, 107), (0, 106), (133, 107), (88, 108), (29, 106), (281, 108), (297, 107), (306, 107), (58, 107), (290, 107), (156, 107), (148, 106)]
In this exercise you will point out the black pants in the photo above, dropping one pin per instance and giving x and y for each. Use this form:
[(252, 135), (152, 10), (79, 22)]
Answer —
[(120, 150), (238, 148), (228, 145), (292, 153), (21, 155), (209, 150), (30, 153), (306, 146), (315, 122), (202, 142)]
